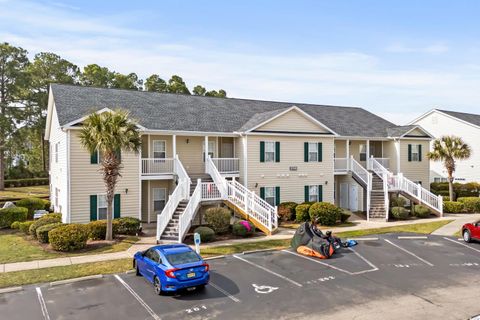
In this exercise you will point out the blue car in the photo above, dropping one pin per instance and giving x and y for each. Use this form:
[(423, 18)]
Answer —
[(172, 267)]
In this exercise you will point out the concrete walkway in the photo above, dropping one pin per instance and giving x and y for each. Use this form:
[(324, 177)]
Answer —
[(282, 234)]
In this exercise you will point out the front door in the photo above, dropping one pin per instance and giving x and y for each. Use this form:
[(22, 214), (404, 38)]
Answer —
[(344, 195), (353, 196)]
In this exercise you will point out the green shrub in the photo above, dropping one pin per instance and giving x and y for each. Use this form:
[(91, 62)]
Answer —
[(12, 183), (25, 226), (42, 232), (52, 215), (15, 225), (398, 202), (328, 214), (68, 237), (287, 207), (446, 198), (31, 204), (218, 219), (400, 213), (421, 211), (47, 205), (206, 234), (240, 228), (345, 216), (452, 207), (470, 204), (470, 189), (42, 222), (97, 230), (302, 212), (127, 225), (284, 214), (12, 214)]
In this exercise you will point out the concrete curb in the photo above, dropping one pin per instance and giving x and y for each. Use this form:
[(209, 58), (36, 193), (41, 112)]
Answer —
[(10, 289), (214, 258), (260, 250), (130, 271), (56, 283)]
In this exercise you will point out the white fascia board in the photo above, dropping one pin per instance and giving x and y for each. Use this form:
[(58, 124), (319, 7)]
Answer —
[(303, 113), (447, 115), (292, 134), (48, 124), (74, 122), (191, 133), (420, 128), (422, 116), (363, 138)]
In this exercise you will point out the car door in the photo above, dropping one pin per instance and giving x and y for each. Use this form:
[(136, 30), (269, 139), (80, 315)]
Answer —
[(151, 260), (476, 230)]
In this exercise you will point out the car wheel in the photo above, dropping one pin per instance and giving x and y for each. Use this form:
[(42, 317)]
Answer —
[(157, 286), (137, 270), (467, 237)]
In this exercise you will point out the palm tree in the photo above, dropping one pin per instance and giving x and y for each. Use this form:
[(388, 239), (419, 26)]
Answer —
[(448, 149), (110, 133)]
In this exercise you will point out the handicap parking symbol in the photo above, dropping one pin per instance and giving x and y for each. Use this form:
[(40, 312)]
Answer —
[(264, 289)]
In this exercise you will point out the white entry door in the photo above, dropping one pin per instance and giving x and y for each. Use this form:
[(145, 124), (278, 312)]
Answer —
[(344, 195), (353, 196)]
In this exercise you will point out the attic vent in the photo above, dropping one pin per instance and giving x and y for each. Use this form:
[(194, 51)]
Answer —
[(434, 120)]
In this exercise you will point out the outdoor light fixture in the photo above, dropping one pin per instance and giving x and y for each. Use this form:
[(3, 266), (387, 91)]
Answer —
[(126, 190), (188, 140), (256, 185)]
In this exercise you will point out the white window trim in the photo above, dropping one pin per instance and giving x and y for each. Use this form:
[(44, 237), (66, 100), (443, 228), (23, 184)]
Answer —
[(113, 205), (310, 193), (153, 148), (274, 188), (310, 151), (274, 151)]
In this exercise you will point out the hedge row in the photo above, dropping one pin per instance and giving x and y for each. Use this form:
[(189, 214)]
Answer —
[(33, 204), (26, 182), (464, 204), (471, 189)]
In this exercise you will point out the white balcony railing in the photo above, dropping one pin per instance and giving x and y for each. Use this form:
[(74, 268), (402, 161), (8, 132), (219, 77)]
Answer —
[(385, 162), (227, 165), (156, 166), (341, 164), (210, 191)]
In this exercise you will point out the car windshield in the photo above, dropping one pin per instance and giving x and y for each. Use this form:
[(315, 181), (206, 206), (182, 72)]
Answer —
[(182, 257)]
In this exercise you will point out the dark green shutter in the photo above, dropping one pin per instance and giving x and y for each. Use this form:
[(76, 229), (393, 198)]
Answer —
[(94, 157), (262, 193), (93, 207), (419, 152), (409, 152), (277, 196), (320, 152), (320, 193), (116, 206), (307, 198), (262, 151), (305, 151), (277, 151)]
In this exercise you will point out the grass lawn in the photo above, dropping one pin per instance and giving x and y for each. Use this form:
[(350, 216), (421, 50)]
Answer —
[(16, 278), (15, 247), (422, 228), (295, 225), (24, 192)]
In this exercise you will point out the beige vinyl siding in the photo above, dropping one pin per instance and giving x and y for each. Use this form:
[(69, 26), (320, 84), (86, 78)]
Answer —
[(169, 185), (58, 170), (355, 150), (86, 180), (147, 150), (415, 170), (417, 132), (347, 178), (340, 148), (191, 153), (390, 152), (292, 121), (291, 183)]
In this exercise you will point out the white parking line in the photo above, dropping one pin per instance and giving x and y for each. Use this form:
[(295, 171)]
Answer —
[(318, 261), (409, 252), (374, 267), (462, 244), (224, 292), (269, 271), (43, 306), (136, 296), (412, 237)]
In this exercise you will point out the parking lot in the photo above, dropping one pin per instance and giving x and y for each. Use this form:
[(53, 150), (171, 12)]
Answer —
[(278, 284)]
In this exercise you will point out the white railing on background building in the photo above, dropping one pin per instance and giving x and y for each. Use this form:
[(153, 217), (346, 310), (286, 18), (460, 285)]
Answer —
[(183, 178), (210, 191), (155, 166), (227, 165), (341, 164), (188, 214), (364, 175)]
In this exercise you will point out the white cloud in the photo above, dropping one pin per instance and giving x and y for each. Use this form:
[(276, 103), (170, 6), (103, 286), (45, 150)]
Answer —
[(432, 48)]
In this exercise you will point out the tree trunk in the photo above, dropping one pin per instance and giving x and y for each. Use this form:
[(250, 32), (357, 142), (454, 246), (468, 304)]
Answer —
[(111, 172), (44, 162), (450, 186), (2, 164), (109, 233)]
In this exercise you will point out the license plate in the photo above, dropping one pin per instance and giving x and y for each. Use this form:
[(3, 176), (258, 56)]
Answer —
[(191, 288), (191, 275)]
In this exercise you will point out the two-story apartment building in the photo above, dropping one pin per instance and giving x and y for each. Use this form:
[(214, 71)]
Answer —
[(464, 125), (249, 154)]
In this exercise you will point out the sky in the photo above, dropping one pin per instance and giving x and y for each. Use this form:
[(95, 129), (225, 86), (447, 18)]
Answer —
[(397, 59)]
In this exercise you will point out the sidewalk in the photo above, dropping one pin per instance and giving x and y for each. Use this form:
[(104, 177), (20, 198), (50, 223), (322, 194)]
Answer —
[(282, 234)]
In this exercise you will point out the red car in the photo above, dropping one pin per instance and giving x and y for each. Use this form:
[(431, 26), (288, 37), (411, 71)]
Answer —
[(471, 231)]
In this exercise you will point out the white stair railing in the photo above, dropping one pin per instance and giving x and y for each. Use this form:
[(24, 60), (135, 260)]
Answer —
[(167, 212), (187, 216), (183, 178), (220, 181), (385, 175), (366, 177)]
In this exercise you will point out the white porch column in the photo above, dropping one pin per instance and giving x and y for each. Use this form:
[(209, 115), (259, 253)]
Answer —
[(174, 146), (397, 149), (149, 203), (368, 154), (347, 148), (206, 148)]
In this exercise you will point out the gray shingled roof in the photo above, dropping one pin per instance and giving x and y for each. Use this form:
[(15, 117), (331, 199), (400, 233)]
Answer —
[(163, 111), (468, 117), (399, 131)]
